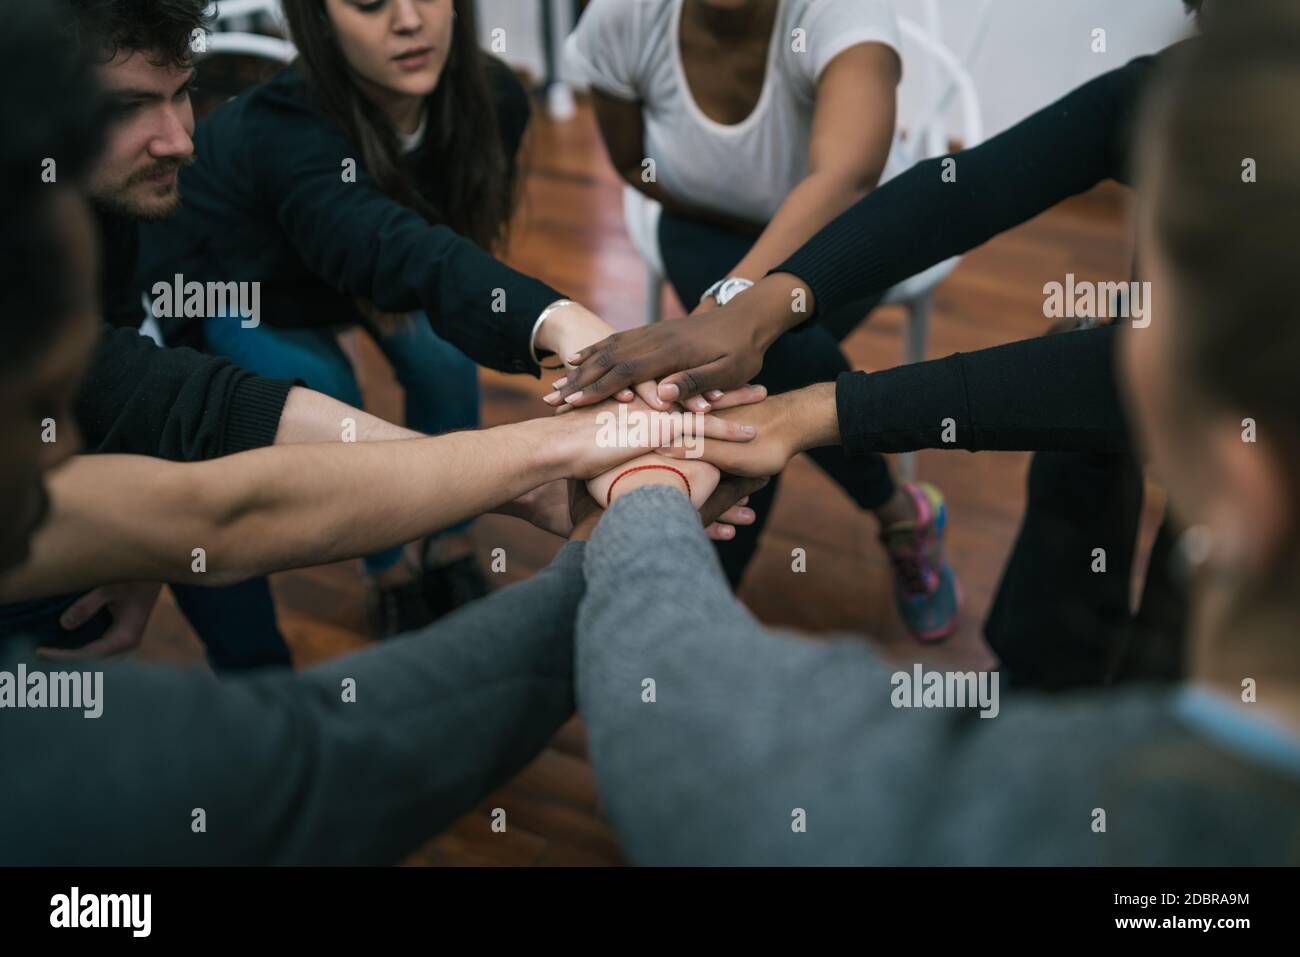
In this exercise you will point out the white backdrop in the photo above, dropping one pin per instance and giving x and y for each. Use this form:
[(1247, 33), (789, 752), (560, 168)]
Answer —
[(1035, 50)]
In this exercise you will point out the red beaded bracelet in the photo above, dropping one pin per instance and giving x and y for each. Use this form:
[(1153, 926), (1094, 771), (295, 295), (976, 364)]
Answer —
[(609, 497)]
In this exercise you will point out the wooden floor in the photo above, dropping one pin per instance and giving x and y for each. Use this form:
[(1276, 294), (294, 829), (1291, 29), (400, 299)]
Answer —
[(570, 234)]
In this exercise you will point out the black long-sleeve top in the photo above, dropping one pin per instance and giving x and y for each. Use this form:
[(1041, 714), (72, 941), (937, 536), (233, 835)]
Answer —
[(174, 403), (1056, 393), (1053, 393), (177, 404), (267, 200)]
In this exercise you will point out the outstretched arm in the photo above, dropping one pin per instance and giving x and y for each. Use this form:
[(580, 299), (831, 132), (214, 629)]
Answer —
[(1051, 393), (121, 518), (357, 761), (910, 223), (140, 398), (852, 132), (745, 726)]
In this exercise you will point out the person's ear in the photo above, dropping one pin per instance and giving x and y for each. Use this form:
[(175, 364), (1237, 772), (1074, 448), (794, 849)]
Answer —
[(1252, 517)]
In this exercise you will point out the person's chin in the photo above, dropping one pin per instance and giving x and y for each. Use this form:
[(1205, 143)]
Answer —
[(141, 203), (152, 205), (421, 83)]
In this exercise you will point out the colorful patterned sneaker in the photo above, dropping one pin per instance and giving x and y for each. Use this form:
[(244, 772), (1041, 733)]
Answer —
[(926, 590)]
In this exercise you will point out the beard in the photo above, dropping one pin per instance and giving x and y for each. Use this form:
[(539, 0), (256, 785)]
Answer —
[(124, 200)]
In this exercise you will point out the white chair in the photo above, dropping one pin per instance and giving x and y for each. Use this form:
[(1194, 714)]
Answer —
[(946, 80), (240, 15), (234, 23), (251, 44), (556, 23)]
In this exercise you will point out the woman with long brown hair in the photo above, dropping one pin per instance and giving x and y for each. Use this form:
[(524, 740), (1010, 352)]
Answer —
[(369, 183)]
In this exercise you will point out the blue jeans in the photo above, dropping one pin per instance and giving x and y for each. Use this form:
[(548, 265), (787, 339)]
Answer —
[(440, 382)]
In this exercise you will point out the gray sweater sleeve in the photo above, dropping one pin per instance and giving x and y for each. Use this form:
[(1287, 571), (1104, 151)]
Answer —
[(762, 748), (748, 727), (285, 770)]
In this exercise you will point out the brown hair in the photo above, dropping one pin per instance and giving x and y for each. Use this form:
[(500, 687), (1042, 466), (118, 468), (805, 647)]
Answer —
[(473, 189), (1223, 169), (162, 30)]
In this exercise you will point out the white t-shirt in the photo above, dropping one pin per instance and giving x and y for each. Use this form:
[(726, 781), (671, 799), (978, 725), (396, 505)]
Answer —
[(631, 49), (411, 141)]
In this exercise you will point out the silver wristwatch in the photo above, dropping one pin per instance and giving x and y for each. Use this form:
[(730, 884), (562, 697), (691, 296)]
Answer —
[(725, 290)]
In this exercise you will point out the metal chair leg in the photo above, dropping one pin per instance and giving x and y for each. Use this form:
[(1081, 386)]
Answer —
[(654, 296), (918, 329)]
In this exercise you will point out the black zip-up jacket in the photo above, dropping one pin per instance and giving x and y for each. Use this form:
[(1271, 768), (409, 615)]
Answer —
[(279, 195)]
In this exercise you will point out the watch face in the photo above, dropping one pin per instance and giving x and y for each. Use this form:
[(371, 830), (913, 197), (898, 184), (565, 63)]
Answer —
[(731, 289)]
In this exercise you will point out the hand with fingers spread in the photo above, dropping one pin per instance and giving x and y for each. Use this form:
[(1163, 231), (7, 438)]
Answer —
[(277, 497), (700, 478), (129, 604), (566, 329), (785, 425), (595, 440), (717, 400), (716, 350)]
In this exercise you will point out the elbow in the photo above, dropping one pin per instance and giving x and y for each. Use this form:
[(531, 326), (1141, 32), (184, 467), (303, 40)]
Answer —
[(201, 548), (843, 186), (857, 183), (631, 170)]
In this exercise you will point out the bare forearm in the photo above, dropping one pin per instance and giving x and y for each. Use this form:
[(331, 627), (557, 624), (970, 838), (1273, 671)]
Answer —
[(817, 412), (123, 518), (809, 206), (380, 494), (311, 416)]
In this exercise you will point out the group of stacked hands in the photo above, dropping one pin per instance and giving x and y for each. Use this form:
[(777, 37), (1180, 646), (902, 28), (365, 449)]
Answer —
[(753, 434)]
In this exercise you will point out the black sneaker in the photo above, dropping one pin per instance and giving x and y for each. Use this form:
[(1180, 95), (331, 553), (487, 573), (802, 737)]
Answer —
[(448, 587), (398, 609)]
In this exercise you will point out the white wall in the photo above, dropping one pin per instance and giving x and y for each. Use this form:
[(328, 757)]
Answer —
[(1035, 50), (521, 20)]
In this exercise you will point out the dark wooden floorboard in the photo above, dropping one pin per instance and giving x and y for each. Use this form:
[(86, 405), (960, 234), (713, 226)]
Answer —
[(570, 233)]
